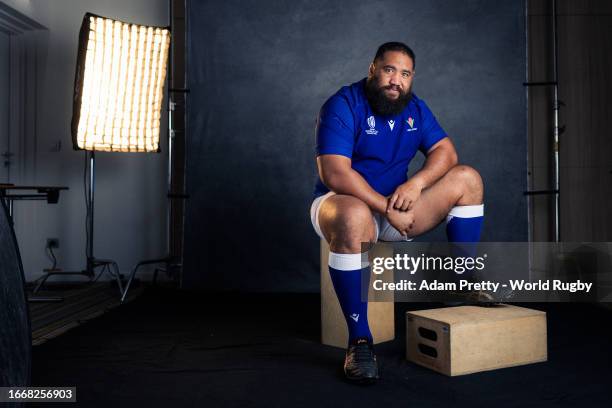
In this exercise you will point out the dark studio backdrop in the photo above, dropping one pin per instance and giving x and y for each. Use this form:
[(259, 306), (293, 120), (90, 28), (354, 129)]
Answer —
[(259, 71)]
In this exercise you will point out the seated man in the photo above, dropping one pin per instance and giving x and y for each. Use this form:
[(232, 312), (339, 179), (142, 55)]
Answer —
[(367, 134)]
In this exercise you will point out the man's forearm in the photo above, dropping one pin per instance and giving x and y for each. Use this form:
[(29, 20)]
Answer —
[(352, 183), (437, 164)]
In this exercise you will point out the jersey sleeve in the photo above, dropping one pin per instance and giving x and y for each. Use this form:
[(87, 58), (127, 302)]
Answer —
[(335, 128), (431, 131)]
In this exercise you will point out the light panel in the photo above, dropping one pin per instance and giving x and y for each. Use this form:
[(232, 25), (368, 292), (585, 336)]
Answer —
[(118, 91)]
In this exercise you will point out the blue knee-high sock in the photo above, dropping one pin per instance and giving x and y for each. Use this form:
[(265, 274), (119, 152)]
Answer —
[(464, 225), (346, 275)]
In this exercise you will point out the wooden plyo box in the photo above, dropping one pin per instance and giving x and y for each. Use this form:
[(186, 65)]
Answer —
[(468, 339), (381, 316)]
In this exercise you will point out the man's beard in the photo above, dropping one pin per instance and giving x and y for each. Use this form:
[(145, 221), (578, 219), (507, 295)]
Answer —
[(380, 103)]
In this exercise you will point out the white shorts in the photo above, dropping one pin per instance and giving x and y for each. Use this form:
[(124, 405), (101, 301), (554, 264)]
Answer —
[(384, 230)]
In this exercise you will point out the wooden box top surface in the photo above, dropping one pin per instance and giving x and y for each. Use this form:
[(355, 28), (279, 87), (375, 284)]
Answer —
[(475, 314)]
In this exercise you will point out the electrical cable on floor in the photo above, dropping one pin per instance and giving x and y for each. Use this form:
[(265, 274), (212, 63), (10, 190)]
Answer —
[(99, 274), (51, 256)]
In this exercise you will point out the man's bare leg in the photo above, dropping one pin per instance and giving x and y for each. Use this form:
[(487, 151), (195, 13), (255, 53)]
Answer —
[(346, 222), (460, 186)]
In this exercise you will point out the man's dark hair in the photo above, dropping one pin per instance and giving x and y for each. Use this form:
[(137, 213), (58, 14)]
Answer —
[(395, 46)]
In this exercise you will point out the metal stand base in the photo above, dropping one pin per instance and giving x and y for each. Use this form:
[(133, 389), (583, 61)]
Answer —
[(92, 264), (170, 263)]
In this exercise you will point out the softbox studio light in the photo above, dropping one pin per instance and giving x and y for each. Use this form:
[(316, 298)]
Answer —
[(118, 96), (118, 88)]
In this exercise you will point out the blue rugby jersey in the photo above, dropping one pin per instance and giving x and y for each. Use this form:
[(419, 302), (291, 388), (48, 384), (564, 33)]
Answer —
[(380, 148)]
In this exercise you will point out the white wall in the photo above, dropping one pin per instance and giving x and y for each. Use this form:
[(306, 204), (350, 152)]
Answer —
[(130, 200), (25, 7)]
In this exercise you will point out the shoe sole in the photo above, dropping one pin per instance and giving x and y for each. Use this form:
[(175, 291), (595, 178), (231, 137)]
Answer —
[(362, 380)]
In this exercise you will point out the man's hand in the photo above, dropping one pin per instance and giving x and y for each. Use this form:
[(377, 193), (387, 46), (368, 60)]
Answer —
[(403, 221), (405, 195)]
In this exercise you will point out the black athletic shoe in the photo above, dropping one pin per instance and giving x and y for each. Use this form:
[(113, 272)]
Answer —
[(360, 362), (488, 299), (479, 298)]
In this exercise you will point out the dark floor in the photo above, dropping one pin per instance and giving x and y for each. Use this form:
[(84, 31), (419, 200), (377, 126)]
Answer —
[(177, 349), (75, 304)]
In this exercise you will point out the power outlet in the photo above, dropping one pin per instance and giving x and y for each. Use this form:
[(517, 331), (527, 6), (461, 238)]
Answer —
[(52, 242)]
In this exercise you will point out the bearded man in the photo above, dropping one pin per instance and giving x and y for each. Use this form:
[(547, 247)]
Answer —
[(367, 134)]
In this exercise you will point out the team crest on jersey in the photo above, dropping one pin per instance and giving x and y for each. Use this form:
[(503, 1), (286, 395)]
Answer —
[(372, 125), (410, 123)]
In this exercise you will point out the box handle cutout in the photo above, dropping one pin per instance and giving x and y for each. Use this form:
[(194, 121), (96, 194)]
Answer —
[(428, 334), (428, 350)]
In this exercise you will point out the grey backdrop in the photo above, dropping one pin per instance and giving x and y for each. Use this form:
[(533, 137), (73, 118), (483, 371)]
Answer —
[(259, 72)]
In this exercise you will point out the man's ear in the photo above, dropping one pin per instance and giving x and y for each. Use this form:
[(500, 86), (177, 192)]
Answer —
[(372, 69)]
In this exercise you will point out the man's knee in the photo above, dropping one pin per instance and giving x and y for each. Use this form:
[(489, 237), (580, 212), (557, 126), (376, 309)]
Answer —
[(346, 222), (470, 182)]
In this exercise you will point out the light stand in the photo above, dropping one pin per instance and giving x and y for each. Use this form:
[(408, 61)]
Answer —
[(170, 261), (118, 97), (92, 262)]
